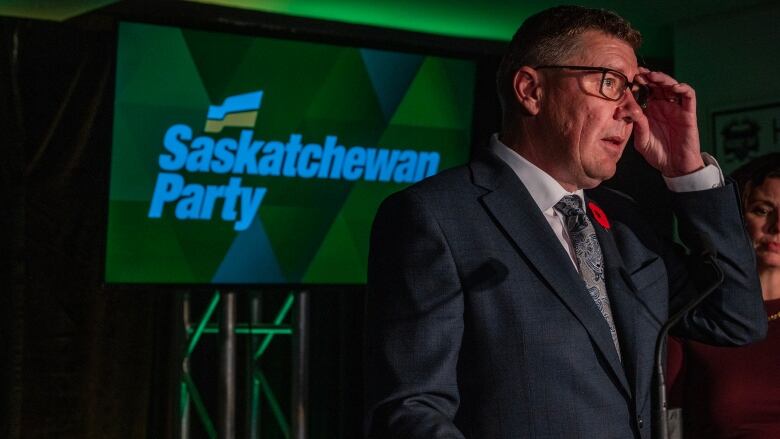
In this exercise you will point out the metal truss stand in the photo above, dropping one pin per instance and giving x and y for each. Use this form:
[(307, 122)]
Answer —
[(300, 386), (226, 400), (259, 390)]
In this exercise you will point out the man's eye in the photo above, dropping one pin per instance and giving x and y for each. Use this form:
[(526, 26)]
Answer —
[(760, 211), (609, 82)]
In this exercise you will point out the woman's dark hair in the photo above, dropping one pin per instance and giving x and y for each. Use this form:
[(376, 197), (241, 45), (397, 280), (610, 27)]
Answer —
[(753, 173)]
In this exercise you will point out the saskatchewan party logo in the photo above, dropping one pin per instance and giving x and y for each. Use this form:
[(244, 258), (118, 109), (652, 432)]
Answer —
[(233, 156), (236, 111)]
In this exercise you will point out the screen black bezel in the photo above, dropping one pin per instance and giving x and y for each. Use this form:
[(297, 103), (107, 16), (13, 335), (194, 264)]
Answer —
[(204, 17)]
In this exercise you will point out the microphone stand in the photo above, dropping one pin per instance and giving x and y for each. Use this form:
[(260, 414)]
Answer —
[(670, 420)]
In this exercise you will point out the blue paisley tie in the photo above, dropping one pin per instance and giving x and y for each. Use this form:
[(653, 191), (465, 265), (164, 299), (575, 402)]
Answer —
[(589, 258)]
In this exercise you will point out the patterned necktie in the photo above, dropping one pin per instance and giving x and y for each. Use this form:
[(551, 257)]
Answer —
[(589, 258)]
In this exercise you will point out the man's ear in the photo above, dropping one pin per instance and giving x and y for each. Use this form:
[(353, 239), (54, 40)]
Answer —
[(527, 90)]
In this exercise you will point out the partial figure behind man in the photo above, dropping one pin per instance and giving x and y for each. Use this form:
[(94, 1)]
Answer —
[(512, 297), (735, 393)]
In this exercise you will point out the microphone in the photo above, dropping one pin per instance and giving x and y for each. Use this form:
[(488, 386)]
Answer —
[(670, 421)]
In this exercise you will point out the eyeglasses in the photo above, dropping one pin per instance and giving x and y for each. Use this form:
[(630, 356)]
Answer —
[(613, 84)]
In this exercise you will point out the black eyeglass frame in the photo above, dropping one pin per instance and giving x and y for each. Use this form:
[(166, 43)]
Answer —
[(642, 92)]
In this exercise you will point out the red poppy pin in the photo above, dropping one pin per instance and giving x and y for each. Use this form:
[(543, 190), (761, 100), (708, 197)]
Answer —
[(599, 214)]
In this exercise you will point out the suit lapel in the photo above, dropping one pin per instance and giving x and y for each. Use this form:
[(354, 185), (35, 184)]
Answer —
[(622, 299), (513, 209)]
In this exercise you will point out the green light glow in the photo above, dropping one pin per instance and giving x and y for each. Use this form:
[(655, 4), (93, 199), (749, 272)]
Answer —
[(255, 330), (273, 403), (489, 20), (200, 408), (202, 325), (277, 321), (56, 10), (451, 18)]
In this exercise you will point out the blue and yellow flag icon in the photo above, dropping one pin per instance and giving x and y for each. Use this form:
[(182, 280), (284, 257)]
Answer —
[(235, 111)]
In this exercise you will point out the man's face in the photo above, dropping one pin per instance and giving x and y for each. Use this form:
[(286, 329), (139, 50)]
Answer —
[(584, 133)]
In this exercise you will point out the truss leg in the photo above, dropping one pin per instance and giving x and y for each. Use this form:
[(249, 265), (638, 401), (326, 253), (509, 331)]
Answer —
[(227, 367), (254, 402), (300, 361)]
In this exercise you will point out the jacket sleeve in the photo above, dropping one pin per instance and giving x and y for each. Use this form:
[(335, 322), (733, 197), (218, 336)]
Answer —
[(734, 313), (414, 325)]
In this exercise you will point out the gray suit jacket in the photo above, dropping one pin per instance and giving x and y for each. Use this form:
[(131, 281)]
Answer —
[(479, 326)]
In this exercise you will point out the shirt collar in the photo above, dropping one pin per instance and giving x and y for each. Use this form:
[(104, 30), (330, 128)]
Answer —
[(544, 189)]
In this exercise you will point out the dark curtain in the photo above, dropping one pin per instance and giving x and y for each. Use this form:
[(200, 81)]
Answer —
[(84, 361)]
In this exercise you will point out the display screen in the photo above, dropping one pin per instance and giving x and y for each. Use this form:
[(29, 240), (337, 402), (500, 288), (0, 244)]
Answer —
[(250, 160)]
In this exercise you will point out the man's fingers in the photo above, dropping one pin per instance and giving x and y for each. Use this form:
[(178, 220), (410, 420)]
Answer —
[(665, 88), (659, 78), (681, 94)]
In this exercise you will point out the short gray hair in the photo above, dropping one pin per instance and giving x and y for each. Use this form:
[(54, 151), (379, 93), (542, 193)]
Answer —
[(552, 36)]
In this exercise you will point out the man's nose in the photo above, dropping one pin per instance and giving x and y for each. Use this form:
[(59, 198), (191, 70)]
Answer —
[(628, 110)]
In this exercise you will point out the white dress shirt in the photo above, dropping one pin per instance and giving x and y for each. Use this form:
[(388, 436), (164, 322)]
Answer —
[(546, 191)]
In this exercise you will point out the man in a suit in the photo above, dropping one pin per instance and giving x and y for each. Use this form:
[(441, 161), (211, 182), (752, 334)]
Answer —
[(506, 302)]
